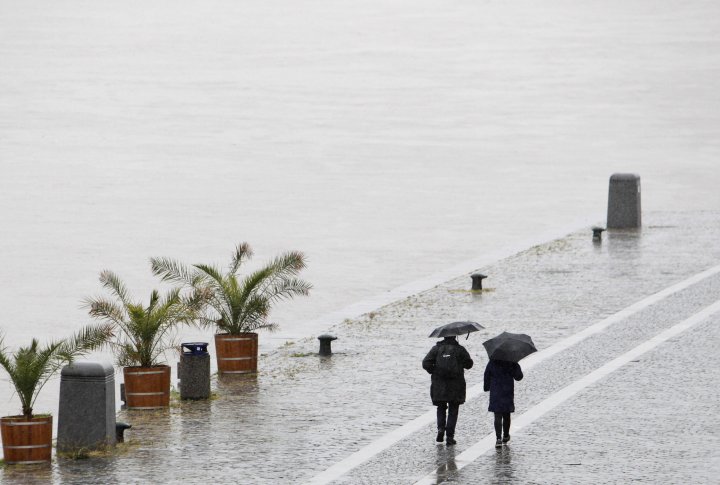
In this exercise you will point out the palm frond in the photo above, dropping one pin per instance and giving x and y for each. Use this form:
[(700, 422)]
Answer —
[(242, 253), (288, 264), (198, 299), (270, 327), (172, 270), (5, 359), (283, 267), (288, 288), (211, 272), (104, 309), (112, 282), (87, 339)]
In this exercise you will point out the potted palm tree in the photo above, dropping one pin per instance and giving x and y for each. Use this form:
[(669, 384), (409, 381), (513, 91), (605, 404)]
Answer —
[(237, 306), (27, 438), (142, 335)]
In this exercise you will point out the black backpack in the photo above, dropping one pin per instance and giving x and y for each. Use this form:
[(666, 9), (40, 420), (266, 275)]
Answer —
[(447, 364)]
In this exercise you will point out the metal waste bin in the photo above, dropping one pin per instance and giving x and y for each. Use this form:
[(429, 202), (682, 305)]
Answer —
[(194, 371)]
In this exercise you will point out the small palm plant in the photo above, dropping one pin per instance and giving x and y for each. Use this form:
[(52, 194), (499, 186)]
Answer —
[(31, 367), (239, 304), (143, 332)]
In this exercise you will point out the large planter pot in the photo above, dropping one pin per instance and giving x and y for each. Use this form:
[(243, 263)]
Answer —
[(147, 387), (26, 441), (236, 354)]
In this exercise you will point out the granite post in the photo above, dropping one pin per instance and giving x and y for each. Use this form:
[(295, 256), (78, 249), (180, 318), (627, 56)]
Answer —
[(86, 418), (624, 201)]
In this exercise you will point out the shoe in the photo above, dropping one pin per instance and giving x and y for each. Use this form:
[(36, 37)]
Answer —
[(450, 441), (440, 436), (506, 438), (498, 443)]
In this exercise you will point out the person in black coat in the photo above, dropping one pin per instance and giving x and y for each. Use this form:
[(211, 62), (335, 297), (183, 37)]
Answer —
[(499, 379), (446, 362)]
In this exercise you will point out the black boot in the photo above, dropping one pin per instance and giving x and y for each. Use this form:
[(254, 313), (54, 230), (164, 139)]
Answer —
[(440, 435), (450, 440)]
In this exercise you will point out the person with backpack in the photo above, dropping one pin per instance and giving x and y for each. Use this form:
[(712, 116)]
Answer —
[(446, 363)]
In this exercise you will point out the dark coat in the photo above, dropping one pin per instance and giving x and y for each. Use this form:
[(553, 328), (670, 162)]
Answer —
[(447, 390), (500, 377)]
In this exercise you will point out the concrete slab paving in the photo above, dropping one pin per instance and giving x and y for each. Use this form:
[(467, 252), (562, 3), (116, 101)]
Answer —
[(419, 451), (655, 421)]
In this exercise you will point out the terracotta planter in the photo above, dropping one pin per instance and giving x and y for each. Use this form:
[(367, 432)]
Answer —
[(147, 387), (26, 441), (237, 354)]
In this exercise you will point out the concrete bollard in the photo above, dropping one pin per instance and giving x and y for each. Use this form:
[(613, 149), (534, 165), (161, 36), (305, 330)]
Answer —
[(624, 210), (477, 281), (86, 418), (194, 371), (325, 344)]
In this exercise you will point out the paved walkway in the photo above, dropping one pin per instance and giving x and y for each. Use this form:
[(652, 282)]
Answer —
[(625, 386), (599, 420)]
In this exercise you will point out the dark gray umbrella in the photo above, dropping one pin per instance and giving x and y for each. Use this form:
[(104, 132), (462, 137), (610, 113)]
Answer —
[(456, 328), (511, 347)]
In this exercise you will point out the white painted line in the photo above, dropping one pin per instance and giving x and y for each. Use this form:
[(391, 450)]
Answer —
[(528, 417), (386, 441)]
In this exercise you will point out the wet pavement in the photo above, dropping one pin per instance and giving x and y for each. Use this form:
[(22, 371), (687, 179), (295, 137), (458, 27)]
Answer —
[(654, 420)]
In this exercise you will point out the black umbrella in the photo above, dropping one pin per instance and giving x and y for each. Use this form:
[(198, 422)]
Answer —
[(511, 347), (456, 328)]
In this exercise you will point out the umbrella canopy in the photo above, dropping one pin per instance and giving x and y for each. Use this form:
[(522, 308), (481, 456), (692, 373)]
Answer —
[(456, 328), (511, 347)]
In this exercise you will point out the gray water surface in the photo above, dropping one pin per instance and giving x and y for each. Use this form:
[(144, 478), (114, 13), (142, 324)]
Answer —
[(386, 139)]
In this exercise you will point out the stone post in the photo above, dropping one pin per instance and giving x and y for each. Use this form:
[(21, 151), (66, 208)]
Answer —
[(624, 201), (86, 418)]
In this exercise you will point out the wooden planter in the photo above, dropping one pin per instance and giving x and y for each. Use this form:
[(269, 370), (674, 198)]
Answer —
[(26, 441), (147, 387), (237, 354)]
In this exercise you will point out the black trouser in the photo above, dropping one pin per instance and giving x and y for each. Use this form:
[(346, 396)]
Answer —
[(502, 423), (448, 422)]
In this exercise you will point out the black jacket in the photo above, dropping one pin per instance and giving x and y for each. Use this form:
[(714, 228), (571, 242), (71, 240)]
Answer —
[(500, 377), (447, 390)]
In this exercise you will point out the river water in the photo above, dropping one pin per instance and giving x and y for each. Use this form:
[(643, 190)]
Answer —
[(387, 139)]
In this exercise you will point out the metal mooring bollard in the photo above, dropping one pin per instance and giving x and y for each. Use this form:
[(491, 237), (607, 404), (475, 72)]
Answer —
[(120, 428), (325, 340), (624, 201), (477, 280), (597, 233)]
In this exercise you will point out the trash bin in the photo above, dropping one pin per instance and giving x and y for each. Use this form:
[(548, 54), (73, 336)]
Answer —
[(195, 348), (194, 371)]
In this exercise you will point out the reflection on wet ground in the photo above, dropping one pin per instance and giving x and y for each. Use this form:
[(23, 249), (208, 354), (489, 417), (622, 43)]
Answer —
[(446, 461), (503, 472)]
